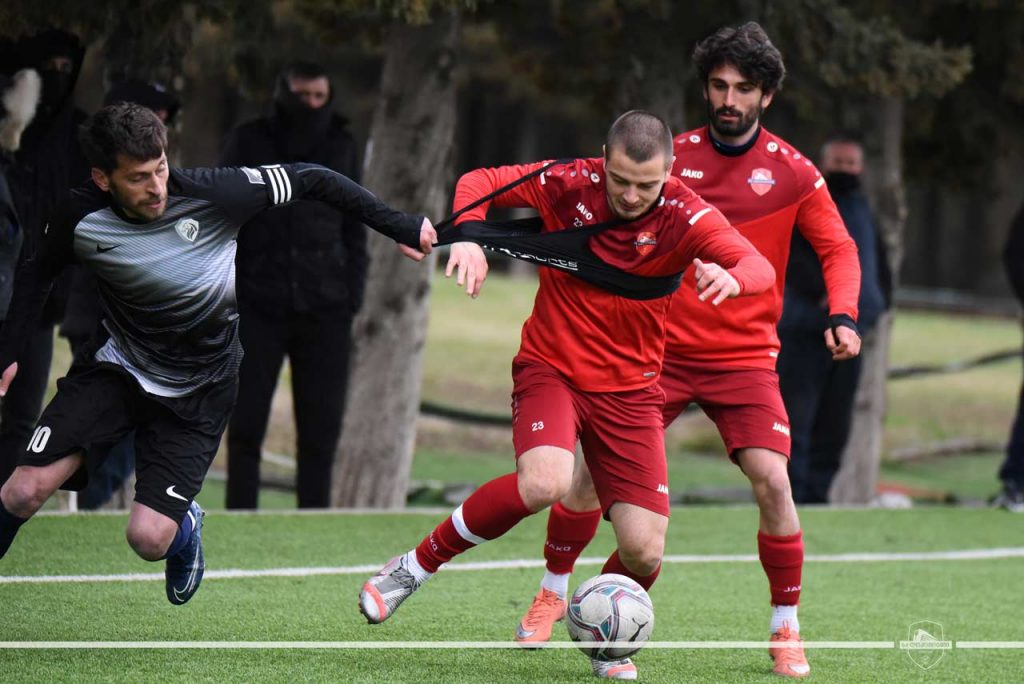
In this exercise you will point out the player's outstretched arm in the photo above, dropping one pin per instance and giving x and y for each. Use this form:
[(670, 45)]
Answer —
[(468, 261), (343, 193), (428, 236), (720, 250)]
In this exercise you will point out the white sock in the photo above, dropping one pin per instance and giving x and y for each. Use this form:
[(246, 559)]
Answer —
[(413, 565), (556, 583), (784, 614)]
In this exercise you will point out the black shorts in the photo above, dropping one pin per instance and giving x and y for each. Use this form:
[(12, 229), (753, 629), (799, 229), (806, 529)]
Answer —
[(176, 438)]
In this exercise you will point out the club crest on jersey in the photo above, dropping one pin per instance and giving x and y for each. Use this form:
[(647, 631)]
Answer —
[(645, 242), (188, 229), (254, 176), (761, 181)]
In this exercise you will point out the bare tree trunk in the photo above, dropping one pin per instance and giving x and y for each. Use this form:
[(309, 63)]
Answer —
[(408, 164), (857, 479), (657, 85)]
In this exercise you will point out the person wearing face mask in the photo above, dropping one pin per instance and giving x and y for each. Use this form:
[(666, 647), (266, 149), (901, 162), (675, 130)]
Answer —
[(47, 165), (819, 394), (301, 278)]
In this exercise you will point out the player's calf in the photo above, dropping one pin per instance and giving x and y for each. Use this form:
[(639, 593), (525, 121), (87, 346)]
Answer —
[(9, 526)]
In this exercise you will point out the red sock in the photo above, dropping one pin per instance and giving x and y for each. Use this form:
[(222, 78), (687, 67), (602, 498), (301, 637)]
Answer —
[(614, 564), (783, 561), (489, 512), (569, 532)]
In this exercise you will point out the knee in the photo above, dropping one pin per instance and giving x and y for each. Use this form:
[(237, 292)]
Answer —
[(541, 490), (643, 555), (771, 485), (23, 496), (150, 544), (777, 487)]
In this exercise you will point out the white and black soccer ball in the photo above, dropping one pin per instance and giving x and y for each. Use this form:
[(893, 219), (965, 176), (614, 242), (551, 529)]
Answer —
[(610, 617)]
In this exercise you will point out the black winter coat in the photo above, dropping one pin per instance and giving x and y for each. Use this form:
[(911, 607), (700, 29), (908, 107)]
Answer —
[(303, 257), (10, 243)]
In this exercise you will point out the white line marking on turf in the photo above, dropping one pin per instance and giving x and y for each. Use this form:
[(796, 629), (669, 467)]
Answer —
[(990, 644), (324, 645), (970, 554), (397, 645)]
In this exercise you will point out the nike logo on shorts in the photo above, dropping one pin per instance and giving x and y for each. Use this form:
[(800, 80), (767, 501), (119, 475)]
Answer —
[(105, 249), (173, 494)]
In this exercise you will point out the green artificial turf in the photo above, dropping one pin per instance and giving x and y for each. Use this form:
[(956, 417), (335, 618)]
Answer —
[(973, 600)]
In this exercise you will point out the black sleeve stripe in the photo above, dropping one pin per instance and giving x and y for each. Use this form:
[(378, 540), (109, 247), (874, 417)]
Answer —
[(287, 185), (280, 185), (275, 190)]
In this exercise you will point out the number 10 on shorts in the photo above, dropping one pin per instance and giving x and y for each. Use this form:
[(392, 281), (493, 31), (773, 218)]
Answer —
[(39, 439)]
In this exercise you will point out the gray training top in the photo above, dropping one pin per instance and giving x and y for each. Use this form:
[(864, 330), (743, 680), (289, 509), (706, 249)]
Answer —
[(168, 286)]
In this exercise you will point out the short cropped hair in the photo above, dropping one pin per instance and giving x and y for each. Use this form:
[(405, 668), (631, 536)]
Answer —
[(123, 128), (641, 135), (745, 47)]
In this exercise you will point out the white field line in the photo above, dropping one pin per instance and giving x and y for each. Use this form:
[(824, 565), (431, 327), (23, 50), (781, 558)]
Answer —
[(434, 511), (964, 555), (461, 645)]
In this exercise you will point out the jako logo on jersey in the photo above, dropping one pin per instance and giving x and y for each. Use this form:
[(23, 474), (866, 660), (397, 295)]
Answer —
[(691, 173), (188, 229), (645, 242), (761, 181), (587, 214), (779, 427), (663, 489)]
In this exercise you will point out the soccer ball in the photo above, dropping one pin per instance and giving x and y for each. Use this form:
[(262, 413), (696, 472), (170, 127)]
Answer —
[(610, 617)]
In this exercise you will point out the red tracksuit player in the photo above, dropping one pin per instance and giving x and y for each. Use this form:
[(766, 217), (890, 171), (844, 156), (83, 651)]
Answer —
[(588, 366), (724, 360)]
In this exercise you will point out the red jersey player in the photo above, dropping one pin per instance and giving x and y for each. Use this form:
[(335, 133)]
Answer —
[(724, 360), (589, 362)]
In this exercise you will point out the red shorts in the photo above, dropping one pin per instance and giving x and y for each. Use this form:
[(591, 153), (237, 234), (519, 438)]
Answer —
[(745, 403), (622, 433)]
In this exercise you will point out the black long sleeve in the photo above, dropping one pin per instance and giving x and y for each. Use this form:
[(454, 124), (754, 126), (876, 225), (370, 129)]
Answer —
[(320, 183)]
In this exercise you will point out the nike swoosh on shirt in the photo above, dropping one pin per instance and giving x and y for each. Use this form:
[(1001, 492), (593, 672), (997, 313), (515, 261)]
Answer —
[(102, 249), (171, 493)]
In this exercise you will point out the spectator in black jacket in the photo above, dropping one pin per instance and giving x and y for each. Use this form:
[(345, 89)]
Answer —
[(1011, 473), (819, 392), (19, 96), (301, 274), (46, 166)]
